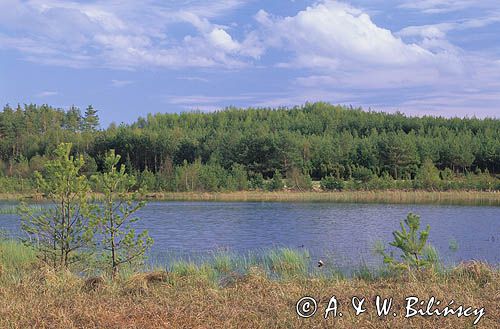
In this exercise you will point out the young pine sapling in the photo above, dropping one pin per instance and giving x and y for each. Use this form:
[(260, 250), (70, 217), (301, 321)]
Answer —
[(416, 253), (119, 241), (60, 232)]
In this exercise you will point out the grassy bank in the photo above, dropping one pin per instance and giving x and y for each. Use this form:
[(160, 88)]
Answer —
[(379, 196), (212, 295)]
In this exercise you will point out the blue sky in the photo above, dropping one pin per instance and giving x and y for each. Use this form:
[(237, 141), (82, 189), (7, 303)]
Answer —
[(129, 58)]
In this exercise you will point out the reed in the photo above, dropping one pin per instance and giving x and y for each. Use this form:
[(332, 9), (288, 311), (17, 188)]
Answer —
[(461, 197), (13, 210), (8, 210), (287, 262), (379, 196)]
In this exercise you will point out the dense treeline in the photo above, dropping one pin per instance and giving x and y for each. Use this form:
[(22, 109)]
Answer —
[(255, 148)]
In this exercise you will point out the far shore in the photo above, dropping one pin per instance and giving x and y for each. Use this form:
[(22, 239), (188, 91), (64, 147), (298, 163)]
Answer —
[(491, 198)]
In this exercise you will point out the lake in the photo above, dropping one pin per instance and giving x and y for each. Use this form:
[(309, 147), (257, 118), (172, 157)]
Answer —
[(339, 233)]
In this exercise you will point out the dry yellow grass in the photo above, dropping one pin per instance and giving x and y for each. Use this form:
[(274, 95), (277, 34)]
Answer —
[(391, 196), (377, 196), (42, 300)]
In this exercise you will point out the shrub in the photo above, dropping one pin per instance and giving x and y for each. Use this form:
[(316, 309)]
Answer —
[(446, 174), (277, 181), (257, 182), (240, 178), (331, 183), (147, 180), (297, 180), (428, 175), (362, 174)]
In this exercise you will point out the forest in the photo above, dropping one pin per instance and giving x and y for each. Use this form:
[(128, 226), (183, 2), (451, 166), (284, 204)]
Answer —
[(238, 149)]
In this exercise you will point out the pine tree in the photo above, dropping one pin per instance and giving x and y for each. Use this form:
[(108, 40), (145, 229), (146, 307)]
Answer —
[(416, 253), (120, 242), (91, 120), (60, 231), (428, 175)]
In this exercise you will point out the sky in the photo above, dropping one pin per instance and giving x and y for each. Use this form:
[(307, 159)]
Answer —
[(129, 58)]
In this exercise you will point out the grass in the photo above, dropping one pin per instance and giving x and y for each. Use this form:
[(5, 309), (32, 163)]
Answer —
[(382, 196), (15, 261), (214, 294), (491, 198), (8, 210), (13, 210), (287, 262)]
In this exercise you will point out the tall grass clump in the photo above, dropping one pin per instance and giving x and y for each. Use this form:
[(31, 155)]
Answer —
[(8, 210), (286, 262), (198, 273), (15, 259), (223, 263), (14, 210)]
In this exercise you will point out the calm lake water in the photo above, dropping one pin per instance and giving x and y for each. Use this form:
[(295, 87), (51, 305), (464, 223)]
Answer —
[(339, 233)]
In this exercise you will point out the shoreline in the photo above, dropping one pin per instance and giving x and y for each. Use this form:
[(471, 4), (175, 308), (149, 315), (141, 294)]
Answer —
[(487, 198)]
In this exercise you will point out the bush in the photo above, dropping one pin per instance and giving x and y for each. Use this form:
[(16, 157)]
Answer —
[(428, 176), (483, 181), (212, 177), (16, 185), (331, 183), (298, 181), (277, 182), (381, 183), (257, 182), (362, 174), (147, 180), (446, 174), (240, 178)]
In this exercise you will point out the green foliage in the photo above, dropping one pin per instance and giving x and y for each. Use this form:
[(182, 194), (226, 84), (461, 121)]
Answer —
[(213, 177), (182, 268), (58, 232), (428, 175), (114, 217), (16, 259), (240, 177), (203, 272), (297, 180), (288, 262), (453, 245), (222, 263), (362, 174), (412, 244), (91, 120), (37, 163), (147, 180), (89, 165), (257, 182), (276, 183), (16, 185), (331, 183), (399, 153), (446, 174), (200, 151)]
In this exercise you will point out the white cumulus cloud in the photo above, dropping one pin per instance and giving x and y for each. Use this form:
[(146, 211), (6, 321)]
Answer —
[(339, 39)]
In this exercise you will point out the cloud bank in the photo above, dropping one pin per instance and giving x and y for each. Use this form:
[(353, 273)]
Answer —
[(333, 51)]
